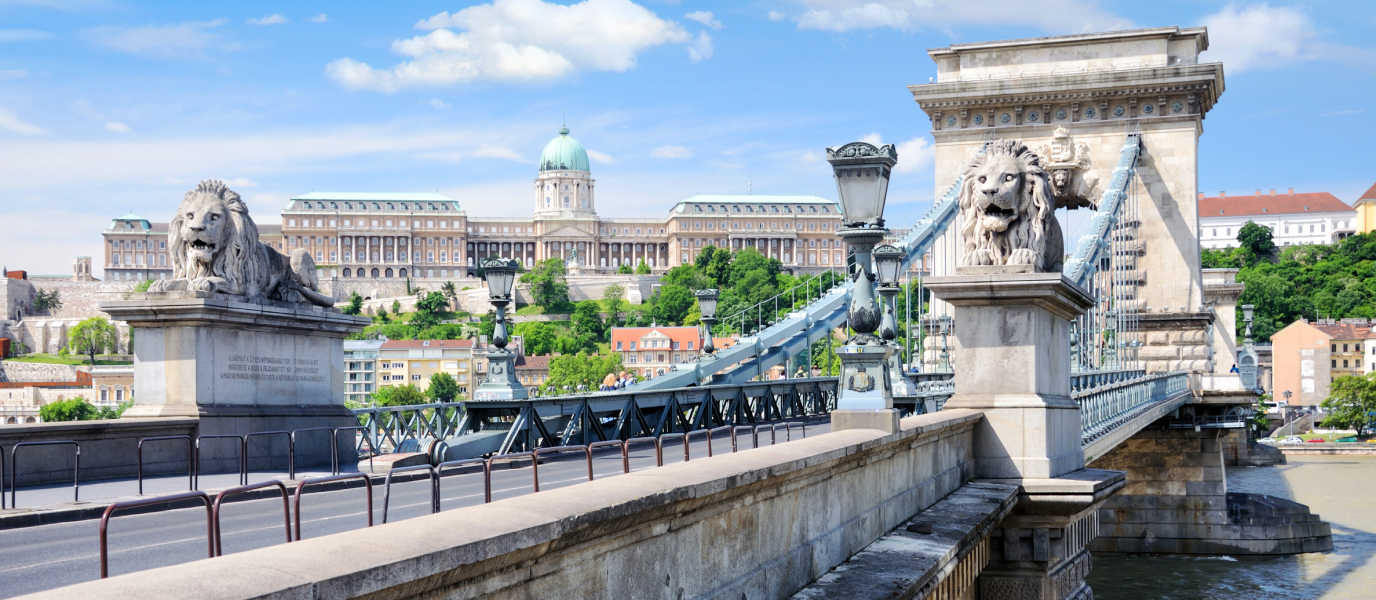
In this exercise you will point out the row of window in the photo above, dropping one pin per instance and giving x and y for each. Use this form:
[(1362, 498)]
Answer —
[(654, 344), (646, 357), (1323, 228), (752, 225), (377, 205), (137, 259), (1356, 364), (136, 244), (761, 209), (1355, 348)]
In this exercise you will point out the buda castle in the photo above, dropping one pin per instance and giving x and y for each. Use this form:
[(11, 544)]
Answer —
[(423, 236)]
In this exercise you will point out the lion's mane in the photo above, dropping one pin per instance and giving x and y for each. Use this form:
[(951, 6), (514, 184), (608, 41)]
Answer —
[(1036, 205)]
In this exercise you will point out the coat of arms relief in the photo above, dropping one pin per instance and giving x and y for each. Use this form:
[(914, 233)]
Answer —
[(1074, 182)]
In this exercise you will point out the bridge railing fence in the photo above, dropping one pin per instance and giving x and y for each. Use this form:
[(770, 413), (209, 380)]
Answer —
[(1108, 405)]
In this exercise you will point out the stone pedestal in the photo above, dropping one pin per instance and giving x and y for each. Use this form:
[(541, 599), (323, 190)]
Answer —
[(866, 392), (1012, 361), (501, 382), (240, 367)]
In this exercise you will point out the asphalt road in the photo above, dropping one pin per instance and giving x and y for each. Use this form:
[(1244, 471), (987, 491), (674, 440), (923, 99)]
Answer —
[(35, 559)]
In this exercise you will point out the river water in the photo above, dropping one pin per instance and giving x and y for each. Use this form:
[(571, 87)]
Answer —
[(1340, 489)]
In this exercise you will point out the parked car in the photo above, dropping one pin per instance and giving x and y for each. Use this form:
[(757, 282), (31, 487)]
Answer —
[(1291, 441), (1266, 440), (1347, 440), (1317, 441)]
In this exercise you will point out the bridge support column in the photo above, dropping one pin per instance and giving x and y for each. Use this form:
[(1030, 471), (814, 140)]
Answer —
[(1012, 361)]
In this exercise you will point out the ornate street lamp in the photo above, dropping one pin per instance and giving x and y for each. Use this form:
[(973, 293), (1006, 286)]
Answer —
[(862, 183), (944, 359), (888, 260), (500, 383), (707, 306), (1247, 367)]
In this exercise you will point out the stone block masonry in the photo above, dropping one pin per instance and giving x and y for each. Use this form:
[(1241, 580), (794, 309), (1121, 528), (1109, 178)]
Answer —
[(757, 524)]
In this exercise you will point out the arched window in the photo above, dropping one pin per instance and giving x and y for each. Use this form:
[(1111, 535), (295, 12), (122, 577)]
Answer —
[(566, 200), (375, 273), (346, 271), (389, 273), (402, 273)]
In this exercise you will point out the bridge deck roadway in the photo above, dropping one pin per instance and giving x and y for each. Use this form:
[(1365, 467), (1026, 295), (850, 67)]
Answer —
[(35, 559)]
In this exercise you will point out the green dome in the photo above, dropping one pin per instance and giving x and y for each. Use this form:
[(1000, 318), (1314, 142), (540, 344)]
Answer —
[(564, 154)]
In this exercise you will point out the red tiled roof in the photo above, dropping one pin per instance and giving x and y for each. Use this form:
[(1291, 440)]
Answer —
[(533, 363), (676, 334), (1370, 194), (1344, 331), (1282, 204), (395, 344)]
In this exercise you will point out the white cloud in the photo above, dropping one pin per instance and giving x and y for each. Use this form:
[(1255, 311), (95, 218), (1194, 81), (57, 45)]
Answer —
[(23, 35), (872, 138), (671, 152), (702, 47), (13, 74), (272, 19), (703, 17), (775, 15), (599, 157), (117, 127), (1048, 15), (482, 151), (165, 41), (320, 18), (11, 122), (517, 41), (240, 182), (489, 151), (916, 154), (438, 104), (1258, 36)]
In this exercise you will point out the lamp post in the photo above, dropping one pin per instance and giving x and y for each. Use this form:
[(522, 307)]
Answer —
[(1247, 367), (944, 359), (862, 183), (707, 306), (500, 383), (888, 261)]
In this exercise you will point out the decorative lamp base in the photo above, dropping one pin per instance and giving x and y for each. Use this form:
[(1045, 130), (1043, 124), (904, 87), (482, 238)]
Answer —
[(865, 378), (883, 419), (501, 382)]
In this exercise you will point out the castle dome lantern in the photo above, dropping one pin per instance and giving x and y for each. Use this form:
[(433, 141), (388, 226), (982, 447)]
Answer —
[(564, 153)]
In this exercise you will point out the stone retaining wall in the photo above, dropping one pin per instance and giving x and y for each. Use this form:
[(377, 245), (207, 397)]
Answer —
[(108, 449), (21, 372), (757, 524)]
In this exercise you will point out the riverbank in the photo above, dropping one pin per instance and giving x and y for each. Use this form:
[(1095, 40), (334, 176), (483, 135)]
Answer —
[(1338, 488)]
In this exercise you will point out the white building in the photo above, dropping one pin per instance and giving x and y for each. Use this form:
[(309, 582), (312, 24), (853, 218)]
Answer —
[(360, 369), (1294, 219)]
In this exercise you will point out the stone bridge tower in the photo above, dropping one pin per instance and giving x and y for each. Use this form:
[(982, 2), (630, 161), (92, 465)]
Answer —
[(1074, 98)]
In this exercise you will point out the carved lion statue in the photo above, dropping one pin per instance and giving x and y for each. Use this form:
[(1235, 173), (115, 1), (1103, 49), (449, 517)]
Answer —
[(215, 248), (1008, 211)]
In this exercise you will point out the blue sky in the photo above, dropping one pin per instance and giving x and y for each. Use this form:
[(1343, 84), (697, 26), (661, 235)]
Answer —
[(108, 106)]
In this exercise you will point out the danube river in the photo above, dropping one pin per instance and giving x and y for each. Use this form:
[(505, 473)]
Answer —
[(1340, 489)]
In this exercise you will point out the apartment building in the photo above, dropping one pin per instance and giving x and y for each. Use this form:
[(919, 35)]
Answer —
[(402, 362), (1307, 355), (360, 369)]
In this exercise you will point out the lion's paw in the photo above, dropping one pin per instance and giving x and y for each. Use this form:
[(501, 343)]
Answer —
[(980, 257), (202, 285), (1022, 256)]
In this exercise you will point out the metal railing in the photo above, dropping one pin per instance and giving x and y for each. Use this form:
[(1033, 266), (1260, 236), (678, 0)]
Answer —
[(190, 459), (220, 498), (109, 510), (14, 469), (1108, 406), (296, 497)]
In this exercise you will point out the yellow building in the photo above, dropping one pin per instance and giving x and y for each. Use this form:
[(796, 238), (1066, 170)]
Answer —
[(402, 362), (1366, 211)]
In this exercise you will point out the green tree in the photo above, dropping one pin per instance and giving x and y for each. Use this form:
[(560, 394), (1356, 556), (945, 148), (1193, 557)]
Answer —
[(539, 336), (355, 304), (642, 268), (586, 321), (404, 395), (451, 293), (46, 302), (91, 337), (75, 409), (548, 286), (143, 286), (1351, 403), (715, 264), (673, 304), (623, 270), (396, 307), (433, 302), (443, 388), (612, 302), (382, 314), (687, 276), (1256, 239), (573, 370)]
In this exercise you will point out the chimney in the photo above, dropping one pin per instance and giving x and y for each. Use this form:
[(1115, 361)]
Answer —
[(1258, 192), (1201, 195), (1292, 191), (1273, 191), (1223, 194)]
